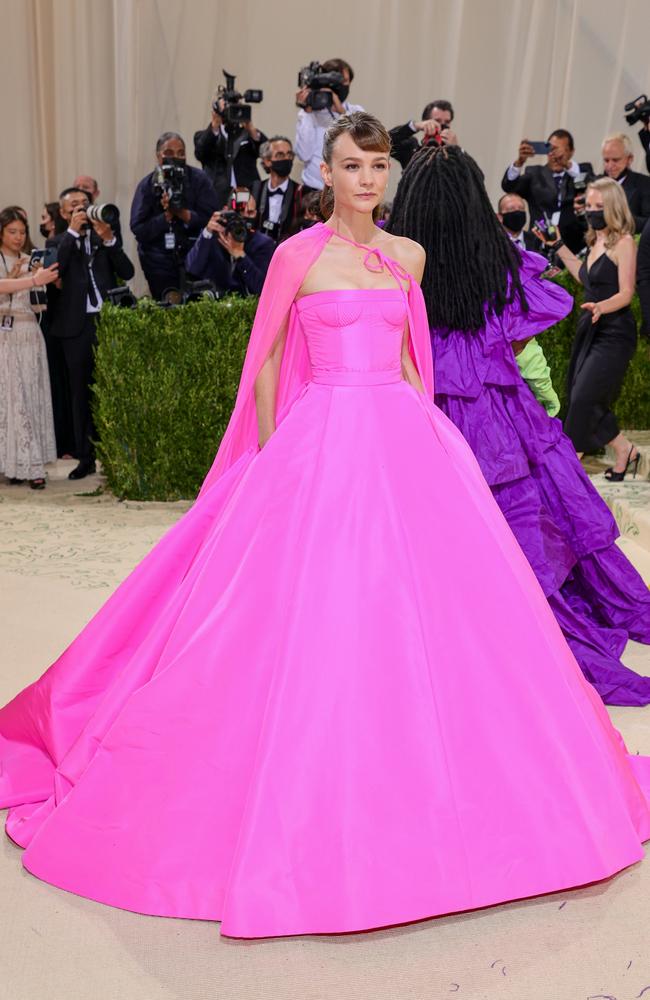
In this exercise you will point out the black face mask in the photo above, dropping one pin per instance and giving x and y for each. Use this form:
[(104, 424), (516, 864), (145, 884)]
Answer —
[(596, 220), (342, 92), (282, 167), (44, 231), (514, 221)]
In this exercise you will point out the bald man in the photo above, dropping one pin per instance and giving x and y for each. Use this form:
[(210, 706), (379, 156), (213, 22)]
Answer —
[(617, 164)]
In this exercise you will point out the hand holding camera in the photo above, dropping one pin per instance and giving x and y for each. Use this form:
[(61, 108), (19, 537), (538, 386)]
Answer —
[(231, 230), (79, 220), (302, 96), (526, 150), (216, 116), (46, 274)]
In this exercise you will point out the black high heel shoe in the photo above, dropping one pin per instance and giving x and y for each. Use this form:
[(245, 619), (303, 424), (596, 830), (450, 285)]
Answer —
[(617, 477)]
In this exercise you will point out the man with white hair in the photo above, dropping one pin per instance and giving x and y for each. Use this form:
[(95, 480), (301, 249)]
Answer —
[(617, 164)]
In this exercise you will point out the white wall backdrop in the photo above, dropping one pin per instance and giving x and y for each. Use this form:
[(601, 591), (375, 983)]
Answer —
[(88, 85)]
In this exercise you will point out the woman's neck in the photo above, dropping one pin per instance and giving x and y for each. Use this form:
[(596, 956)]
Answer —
[(8, 252), (355, 226)]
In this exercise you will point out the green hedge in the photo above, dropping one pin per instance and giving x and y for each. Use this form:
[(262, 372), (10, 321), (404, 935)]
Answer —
[(166, 381), (633, 407), (165, 385)]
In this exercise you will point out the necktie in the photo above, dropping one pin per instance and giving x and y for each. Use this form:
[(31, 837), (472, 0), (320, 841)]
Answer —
[(558, 188), (274, 192), (92, 297)]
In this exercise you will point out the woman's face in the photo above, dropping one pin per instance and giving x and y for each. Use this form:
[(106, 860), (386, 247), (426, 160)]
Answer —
[(47, 220), (594, 202), (13, 236), (357, 176)]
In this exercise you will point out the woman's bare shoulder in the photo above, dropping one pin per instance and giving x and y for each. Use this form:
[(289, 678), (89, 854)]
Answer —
[(407, 252)]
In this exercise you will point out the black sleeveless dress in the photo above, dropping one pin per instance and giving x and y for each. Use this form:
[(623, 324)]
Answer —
[(601, 354)]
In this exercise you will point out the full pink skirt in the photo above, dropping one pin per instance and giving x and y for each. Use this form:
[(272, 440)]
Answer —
[(333, 697)]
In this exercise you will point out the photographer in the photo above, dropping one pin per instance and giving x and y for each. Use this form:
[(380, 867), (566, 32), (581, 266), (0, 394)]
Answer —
[(90, 262), (279, 198), (312, 124), (230, 252), (170, 207), (435, 126), (617, 164), (211, 150), (84, 182), (550, 189)]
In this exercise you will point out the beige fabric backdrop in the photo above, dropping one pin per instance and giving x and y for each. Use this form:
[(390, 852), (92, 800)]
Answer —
[(88, 85)]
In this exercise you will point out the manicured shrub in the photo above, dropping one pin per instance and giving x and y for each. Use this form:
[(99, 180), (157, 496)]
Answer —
[(166, 381)]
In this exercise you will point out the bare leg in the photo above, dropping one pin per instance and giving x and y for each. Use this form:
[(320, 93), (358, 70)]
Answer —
[(624, 451)]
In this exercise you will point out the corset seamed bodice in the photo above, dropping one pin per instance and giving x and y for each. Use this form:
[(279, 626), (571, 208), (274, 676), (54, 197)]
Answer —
[(354, 336)]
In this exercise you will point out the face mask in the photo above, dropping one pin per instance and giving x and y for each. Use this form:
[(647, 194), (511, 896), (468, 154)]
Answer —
[(44, 231), (341, 92), (282, 167), (514, 221), (596, 219)]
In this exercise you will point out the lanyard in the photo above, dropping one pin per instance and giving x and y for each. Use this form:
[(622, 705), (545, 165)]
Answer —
[(11, 294)]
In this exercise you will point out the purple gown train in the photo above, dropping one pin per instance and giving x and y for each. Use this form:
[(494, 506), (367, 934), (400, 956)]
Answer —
[(565, 528), (333, 696)]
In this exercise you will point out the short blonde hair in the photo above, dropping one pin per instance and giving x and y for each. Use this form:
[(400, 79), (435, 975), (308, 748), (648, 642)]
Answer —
[(619, 137), (618, 218)]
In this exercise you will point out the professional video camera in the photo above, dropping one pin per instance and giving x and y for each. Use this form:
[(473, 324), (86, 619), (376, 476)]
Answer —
[(169, 179), (229, 102), (235, 224), (110, 214), (315, 79), (638, 110)]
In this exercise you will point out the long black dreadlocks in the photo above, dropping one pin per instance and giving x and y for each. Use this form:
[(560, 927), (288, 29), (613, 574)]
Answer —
[(472, 265)]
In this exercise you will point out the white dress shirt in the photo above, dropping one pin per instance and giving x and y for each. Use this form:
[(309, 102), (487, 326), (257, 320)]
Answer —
[(274, 202), (310, 132), (90, 306)]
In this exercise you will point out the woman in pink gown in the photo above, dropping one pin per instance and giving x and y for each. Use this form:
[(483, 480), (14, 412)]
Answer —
[(334, 696)]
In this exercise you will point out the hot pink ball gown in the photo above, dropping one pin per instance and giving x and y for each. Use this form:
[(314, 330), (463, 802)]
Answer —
[(334, 696)]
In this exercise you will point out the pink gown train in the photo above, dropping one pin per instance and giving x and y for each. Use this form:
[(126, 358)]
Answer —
[(334, 696)]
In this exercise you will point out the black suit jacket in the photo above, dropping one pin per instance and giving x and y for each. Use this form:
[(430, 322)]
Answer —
[(643, 279), (210, 151), (536, 185), (644, 136), (404, 144), (69, 303), (637, 191), (291, 202)]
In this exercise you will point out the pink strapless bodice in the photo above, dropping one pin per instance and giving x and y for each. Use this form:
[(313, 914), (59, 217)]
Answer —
[(354, 336)]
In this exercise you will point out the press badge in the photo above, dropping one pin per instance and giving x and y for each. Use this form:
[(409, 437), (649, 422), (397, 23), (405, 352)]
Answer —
[(7, 323), (170, 241)]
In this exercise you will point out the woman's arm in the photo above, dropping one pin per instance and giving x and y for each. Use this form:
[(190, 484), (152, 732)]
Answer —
[(266, 387), (626, 261), (412, 257), (409, 371), (569, 259), (43, 276)]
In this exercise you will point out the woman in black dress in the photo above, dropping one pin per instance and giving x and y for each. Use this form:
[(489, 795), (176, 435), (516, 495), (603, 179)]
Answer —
[(606, 335)]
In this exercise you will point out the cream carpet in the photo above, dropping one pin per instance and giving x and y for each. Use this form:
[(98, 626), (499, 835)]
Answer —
[(60, 556)]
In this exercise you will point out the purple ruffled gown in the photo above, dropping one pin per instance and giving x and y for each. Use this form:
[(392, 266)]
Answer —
[(564, 527)]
